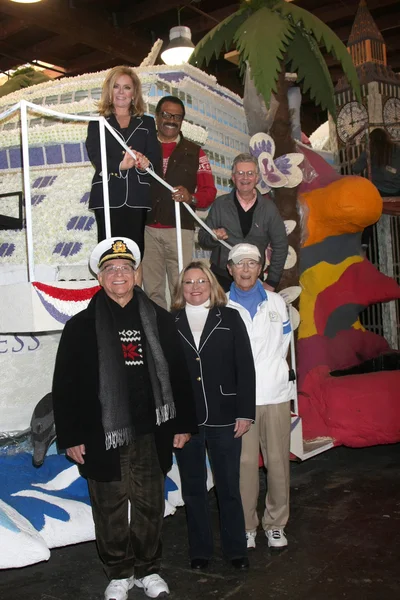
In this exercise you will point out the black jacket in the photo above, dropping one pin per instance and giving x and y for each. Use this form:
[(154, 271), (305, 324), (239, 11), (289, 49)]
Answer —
[(222, 369), (131, 187), (77, 410)]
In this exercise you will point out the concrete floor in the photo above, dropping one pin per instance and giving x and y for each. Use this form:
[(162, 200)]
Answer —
[(343, 536)]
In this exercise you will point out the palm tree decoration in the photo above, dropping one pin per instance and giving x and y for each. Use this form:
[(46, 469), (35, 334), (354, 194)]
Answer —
[(272, 36), (22, 78)]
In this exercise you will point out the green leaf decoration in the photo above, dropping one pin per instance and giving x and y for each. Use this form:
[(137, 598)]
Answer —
[(323, 34), (222, 34), (23, 79), (262, 41), (306, 59)]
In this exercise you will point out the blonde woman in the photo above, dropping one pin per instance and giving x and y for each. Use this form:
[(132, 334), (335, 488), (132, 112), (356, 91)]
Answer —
[(221, 368), (122, 105)]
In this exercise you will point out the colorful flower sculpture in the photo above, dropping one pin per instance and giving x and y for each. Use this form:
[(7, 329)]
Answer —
[(275, 173), (337, 285)]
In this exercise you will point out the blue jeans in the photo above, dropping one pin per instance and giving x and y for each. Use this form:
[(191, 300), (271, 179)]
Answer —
[(224, 454)]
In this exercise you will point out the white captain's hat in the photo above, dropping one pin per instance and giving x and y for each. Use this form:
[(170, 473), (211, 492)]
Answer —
[(111, 248)]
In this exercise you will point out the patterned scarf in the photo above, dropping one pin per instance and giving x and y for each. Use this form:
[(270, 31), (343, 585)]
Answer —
[(113, 386)]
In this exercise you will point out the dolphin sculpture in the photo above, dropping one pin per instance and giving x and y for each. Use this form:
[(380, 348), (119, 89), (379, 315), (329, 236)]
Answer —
[(43, 430)]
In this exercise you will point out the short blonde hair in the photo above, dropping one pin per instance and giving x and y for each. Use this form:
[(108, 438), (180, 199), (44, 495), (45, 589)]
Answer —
[(217, 294), (105, 105)]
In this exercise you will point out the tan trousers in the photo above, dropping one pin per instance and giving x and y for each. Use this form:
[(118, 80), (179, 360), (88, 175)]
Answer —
[(161, 260), (271, 432)]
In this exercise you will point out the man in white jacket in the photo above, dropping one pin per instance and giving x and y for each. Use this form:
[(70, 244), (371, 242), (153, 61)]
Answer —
[(266, 318)]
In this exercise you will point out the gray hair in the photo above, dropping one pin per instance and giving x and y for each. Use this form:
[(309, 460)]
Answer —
[(245, 157)]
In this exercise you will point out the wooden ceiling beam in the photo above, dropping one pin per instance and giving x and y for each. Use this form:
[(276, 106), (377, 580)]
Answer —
[(202, 24), (10, 26), (81, 26), (49, 47), (17, 57), (146, 10), (341, 10), (89, 61)]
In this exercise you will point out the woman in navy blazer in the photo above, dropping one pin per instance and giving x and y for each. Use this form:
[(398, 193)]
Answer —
[(122, 105), (219, 357)]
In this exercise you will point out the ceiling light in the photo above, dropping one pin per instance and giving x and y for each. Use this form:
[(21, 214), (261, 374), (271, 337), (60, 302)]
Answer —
[(26, 1), (180, 47)]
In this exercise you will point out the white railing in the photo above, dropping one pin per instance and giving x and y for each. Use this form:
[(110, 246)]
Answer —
[(23, 106)]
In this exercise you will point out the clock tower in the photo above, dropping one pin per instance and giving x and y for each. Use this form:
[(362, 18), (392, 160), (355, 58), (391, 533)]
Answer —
[(380, 91)]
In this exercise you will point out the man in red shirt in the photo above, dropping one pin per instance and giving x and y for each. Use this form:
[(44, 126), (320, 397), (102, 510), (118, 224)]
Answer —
[(186, 167)]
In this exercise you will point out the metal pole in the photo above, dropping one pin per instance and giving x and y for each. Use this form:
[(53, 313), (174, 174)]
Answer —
[(104, 178), (27, 190), (179, 235), (293, 363)]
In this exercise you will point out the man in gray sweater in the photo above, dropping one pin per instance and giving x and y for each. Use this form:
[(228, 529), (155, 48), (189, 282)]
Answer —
[(244, 215)]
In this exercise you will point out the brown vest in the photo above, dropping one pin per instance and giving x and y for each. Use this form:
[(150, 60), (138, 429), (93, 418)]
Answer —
[(183, 165)]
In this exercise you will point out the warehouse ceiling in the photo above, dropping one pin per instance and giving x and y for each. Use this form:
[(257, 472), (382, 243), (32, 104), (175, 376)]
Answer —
[(79, 36)]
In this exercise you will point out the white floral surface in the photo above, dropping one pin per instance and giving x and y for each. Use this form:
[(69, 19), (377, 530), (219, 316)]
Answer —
[(51, 216), (62, 199)]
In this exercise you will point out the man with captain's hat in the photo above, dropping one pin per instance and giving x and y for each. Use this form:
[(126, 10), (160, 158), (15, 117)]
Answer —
[(122, 400)]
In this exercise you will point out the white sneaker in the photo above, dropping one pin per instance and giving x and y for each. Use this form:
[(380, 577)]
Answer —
[(153, 585), (276, 538), (251, 539), (118, 589)]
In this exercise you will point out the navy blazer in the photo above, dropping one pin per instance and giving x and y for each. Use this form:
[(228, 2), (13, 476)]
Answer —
[(221, 369), (131, 187)]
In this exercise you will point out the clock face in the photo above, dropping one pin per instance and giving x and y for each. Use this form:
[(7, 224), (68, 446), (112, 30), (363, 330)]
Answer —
[(391, 118), (352, 121)]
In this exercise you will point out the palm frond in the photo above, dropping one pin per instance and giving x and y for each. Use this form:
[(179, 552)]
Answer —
[(262, 41), (323, 34), (222, 34), (306, 59)]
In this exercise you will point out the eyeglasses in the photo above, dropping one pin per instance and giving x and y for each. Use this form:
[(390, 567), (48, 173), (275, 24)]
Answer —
[(114, 268), (248, 173), (250, 264), (167, 115), (198, 281)]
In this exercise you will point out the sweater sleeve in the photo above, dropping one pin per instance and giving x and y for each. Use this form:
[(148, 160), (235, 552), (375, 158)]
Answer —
[(213, 220), (205, 190)]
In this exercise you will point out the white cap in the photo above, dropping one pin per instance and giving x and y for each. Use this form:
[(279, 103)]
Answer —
[(114, 247), (241, 251)]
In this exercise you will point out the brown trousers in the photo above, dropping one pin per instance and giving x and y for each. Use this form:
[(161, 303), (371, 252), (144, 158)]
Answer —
[(271, 433), (129, 543), (161, 261)]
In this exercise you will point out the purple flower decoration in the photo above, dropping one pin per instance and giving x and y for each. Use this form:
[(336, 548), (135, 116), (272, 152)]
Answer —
[(283, 172), (283, 164), (261, 142), (268, 171)]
